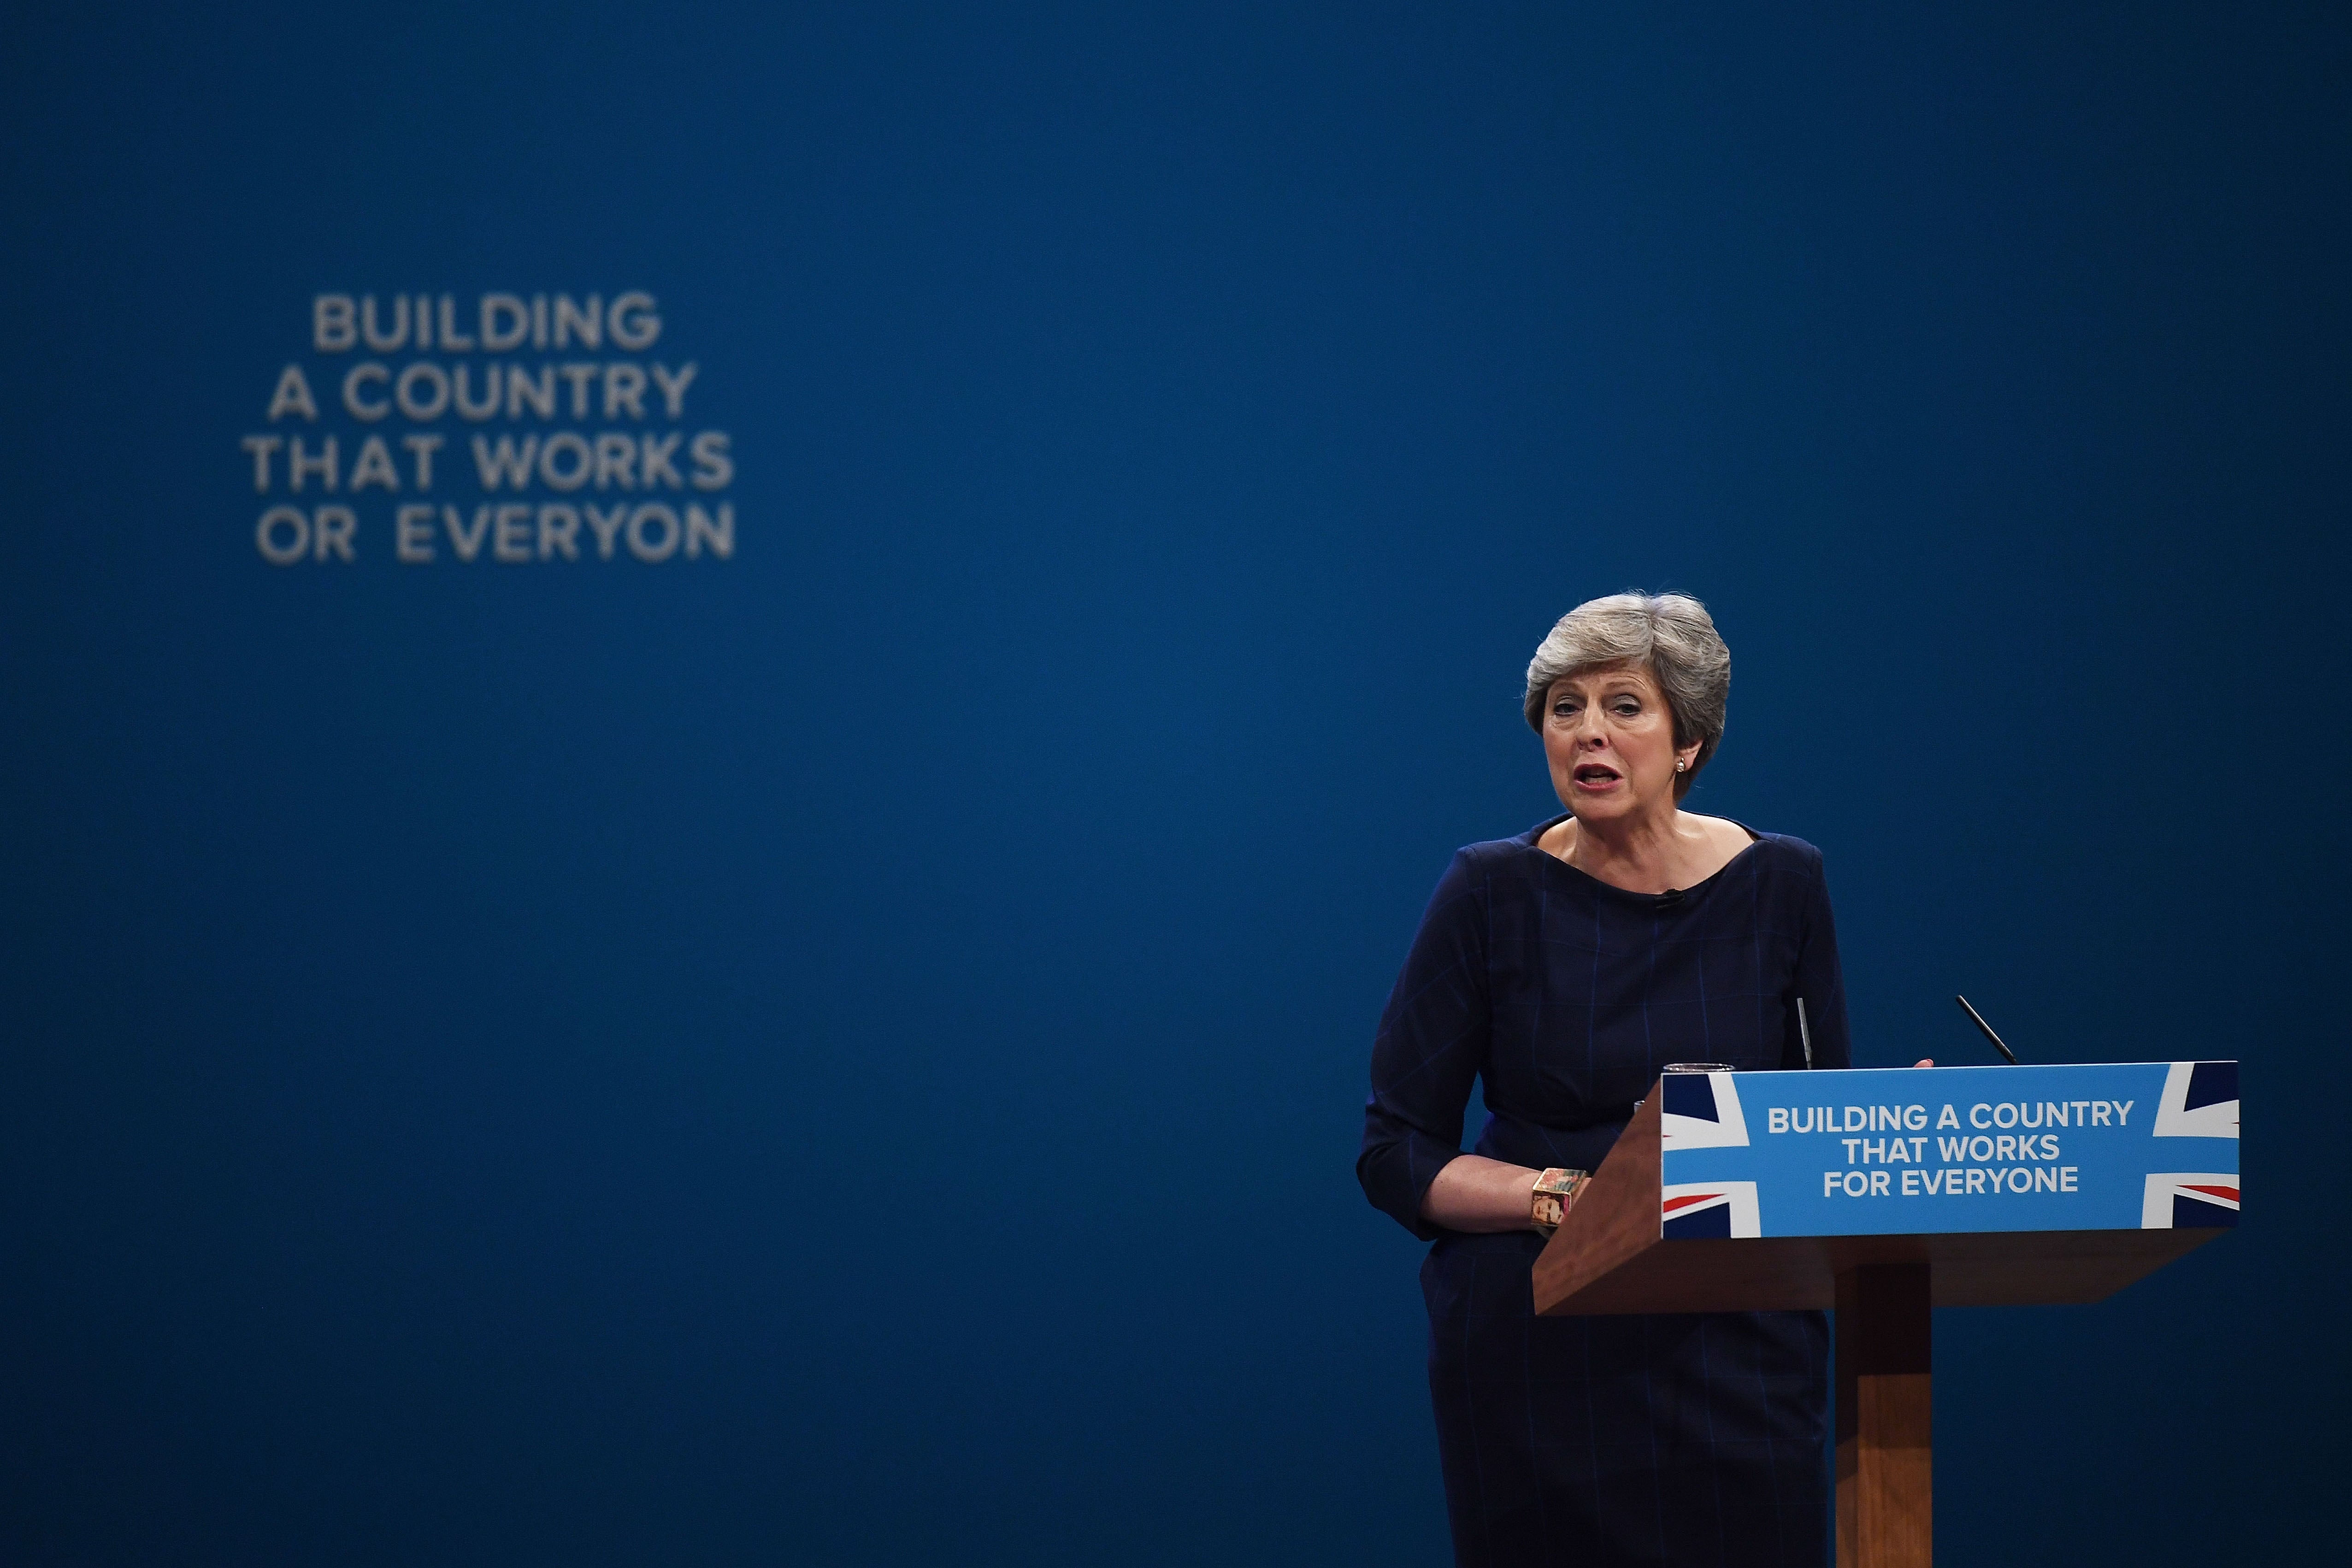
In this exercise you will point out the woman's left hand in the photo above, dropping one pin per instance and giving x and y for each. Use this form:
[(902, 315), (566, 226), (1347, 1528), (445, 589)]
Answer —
[(1925, 1062)]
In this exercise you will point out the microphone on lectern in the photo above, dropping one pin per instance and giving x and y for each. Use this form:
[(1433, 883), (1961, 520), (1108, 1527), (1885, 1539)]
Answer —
[(2009, 1055)]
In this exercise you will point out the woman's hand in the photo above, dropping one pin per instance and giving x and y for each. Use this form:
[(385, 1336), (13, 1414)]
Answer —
[(1476, 1194), (1925, 1062)]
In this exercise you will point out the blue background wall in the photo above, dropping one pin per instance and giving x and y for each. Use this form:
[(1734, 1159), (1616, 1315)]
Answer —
[(852, 1053)]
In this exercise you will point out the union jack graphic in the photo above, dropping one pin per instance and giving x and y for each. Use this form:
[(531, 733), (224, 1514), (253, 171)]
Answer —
[(1710, 1208), (1701, 1111), (2201, 1100), (2190, 1200)]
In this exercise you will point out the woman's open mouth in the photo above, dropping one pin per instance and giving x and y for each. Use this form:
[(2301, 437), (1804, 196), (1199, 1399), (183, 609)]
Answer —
[(1595, 775)]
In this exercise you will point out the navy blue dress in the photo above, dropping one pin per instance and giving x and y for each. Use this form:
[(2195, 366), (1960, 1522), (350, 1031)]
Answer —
[(1598, 1441)]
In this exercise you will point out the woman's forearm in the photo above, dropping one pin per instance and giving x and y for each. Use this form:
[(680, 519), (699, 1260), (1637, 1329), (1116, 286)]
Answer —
[(1476, 1194)]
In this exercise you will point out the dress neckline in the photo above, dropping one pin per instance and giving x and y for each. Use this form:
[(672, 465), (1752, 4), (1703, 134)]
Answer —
[(1668, 900)]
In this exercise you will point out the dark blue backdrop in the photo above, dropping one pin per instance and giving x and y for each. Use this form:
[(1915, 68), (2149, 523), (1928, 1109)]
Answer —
[(852, 1053)]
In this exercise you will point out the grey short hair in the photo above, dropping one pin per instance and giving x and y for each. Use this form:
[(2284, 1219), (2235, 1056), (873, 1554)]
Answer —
[(1670, 636)]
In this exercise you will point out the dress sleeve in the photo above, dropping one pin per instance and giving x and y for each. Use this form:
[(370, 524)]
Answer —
[(1819, 980), (1432, 1043)]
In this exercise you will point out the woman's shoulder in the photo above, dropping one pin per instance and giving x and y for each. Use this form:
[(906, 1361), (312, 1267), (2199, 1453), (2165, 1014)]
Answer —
[(1482, 864), (1487, 856), (1783, 851)]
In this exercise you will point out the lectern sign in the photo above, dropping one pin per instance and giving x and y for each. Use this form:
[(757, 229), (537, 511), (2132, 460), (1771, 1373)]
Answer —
[(1885, 1195), (2143, 1145)]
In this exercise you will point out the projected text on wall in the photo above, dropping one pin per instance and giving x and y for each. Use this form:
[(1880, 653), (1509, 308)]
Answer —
[(511, 429)]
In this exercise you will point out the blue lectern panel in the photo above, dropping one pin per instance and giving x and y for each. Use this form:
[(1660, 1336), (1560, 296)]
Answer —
[(2138, 1145)]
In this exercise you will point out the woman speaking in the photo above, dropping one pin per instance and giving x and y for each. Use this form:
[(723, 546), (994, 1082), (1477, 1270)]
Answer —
[(1565, 968)]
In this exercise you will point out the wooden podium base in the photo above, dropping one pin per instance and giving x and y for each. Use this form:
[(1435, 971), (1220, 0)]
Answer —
[(1886, 1482)]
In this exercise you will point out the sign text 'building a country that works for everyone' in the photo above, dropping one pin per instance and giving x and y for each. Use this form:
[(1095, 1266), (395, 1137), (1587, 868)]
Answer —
[(2093, 1146), (503, 429)]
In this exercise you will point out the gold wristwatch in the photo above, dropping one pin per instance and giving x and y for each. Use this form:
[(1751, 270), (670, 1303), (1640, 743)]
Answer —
[(1555, 1194)]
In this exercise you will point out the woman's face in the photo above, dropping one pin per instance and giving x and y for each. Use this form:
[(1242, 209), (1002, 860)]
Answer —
[(1610, 738)]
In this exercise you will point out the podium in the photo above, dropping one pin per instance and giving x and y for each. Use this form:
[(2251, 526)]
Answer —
[(1882, 1194)]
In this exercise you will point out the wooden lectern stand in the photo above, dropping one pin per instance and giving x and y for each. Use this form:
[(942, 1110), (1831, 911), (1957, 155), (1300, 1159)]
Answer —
[(1618, 1250)]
